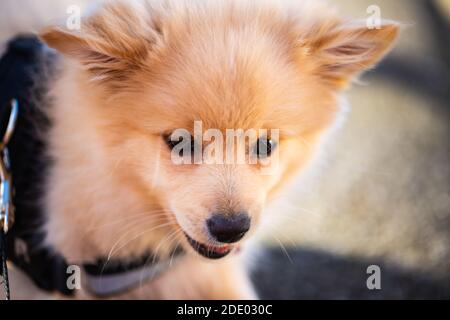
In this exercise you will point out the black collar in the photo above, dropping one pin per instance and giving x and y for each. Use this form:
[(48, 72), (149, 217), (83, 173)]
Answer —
[(24, 71)]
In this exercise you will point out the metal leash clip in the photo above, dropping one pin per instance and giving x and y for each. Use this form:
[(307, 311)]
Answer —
[(6, 205)]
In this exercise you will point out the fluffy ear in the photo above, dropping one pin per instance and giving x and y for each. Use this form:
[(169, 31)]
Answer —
[(342, 51), (111, 43)]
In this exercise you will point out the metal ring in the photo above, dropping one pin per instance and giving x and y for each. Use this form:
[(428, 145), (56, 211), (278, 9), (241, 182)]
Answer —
[(11, 123)]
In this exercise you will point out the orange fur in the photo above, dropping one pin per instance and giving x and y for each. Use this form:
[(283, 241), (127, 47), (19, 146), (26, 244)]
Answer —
[(136, 72)]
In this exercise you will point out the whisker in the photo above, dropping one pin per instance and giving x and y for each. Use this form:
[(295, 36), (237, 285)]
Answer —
[(135, 237), (110, 254), (136, 223), (171, 236), (173, 233), (160, 213), (173, 253), (284, 249)]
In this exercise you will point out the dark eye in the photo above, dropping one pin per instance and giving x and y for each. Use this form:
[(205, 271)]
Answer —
[(264, 147), (173, 143)]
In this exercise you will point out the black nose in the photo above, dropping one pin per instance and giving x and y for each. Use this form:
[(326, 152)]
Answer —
[(228, 228)]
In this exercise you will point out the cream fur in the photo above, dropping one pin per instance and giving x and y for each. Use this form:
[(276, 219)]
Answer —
[(133, 73)]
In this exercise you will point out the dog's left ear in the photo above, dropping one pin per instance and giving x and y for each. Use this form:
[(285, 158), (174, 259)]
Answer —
[(111, 43), (341, 51)]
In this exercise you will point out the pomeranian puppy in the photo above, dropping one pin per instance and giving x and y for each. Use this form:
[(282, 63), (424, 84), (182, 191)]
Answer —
[(136, 73)]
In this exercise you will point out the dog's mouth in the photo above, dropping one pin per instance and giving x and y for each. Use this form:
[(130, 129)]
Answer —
[(209, 251)]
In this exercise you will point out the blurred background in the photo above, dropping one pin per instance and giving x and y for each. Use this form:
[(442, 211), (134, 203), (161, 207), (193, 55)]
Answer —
[(382, 197)]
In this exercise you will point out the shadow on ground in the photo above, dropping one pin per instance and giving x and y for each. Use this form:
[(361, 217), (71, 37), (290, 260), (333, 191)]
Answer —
[(310, 274)]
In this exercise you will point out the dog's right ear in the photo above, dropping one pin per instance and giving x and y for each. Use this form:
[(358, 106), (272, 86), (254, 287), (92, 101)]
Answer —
[(111, 43), (342, 50)]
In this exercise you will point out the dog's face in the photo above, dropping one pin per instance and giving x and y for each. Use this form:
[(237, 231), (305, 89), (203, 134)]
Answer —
[(222, 67)]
